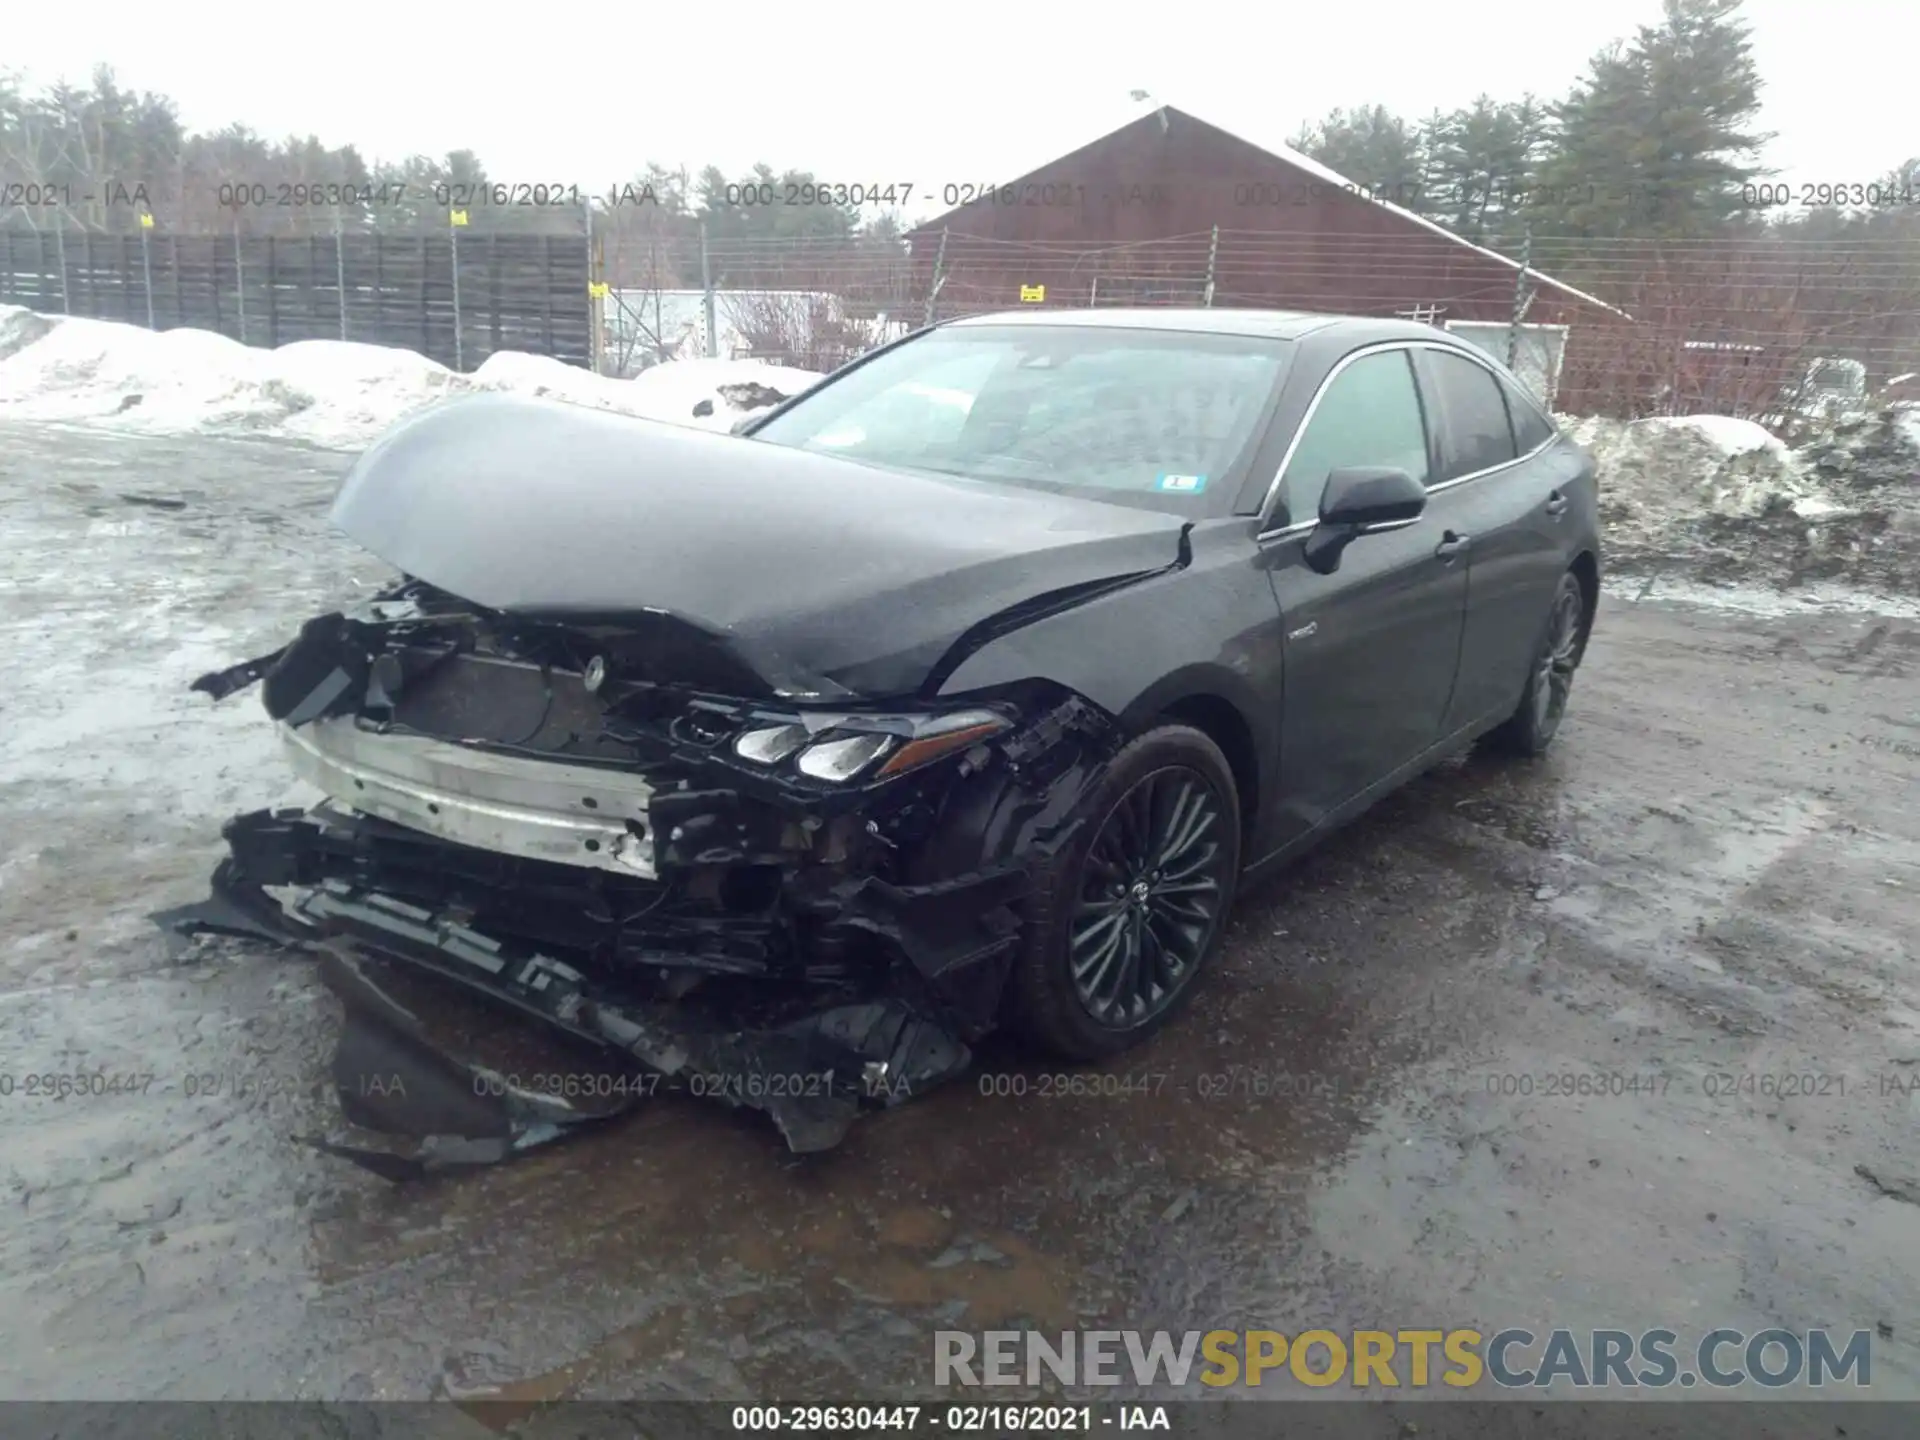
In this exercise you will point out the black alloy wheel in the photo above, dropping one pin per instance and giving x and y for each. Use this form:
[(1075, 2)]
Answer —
[(1130, 911), (1553, 673), (1543, 704), (1150, 897)]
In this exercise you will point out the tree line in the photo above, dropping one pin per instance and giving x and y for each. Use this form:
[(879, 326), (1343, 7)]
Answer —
[(1644, 184), (98, 156), (1657, 140)]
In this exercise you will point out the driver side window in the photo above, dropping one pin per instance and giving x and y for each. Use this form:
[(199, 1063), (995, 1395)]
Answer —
[(1368, 415)]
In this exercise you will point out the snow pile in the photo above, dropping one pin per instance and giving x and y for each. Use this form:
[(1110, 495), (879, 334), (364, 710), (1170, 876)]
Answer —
[(1726, 501), (715, 394), (1858, 455), (1730, 435), (514, 372), (705, 394), (325, 392), (1656, 472), (346, 393), (80, 369), (20, 327), (1907, 417)]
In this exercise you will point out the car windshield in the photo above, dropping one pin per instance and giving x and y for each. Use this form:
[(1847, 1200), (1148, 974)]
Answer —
[(1145, 417)]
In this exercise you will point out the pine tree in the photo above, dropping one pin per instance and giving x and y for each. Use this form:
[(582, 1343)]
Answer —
[(1371, 146), (1482, 163), (1656, 140)]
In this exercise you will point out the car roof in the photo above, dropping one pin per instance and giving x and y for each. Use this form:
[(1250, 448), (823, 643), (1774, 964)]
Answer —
[(1267, 324)]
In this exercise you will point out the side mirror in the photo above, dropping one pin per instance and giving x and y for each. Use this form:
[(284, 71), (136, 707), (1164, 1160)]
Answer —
[(1363, 500)]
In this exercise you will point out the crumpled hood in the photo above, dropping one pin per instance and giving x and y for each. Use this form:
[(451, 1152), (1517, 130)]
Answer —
[(808, 565)]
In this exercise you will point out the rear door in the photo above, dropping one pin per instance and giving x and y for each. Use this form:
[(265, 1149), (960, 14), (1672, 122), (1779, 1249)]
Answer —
[(1370, 649), (1501, 494)]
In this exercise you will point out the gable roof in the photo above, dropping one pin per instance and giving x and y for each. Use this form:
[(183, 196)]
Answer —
[(1287, 155)]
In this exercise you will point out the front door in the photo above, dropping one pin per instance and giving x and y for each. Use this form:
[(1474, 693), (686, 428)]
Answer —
[(1371, 649)]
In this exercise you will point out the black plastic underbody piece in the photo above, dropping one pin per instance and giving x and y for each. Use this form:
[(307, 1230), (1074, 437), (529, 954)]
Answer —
[(811, 1062)]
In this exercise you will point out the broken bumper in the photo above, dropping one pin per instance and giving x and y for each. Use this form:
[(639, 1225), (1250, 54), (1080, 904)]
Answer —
[(541, 809), (520, 812), (811, 1062)]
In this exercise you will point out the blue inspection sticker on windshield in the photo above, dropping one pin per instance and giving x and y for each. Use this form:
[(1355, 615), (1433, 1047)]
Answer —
[(1184, 484)]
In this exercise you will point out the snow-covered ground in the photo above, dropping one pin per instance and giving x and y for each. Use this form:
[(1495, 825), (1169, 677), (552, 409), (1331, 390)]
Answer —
[(333, 393)]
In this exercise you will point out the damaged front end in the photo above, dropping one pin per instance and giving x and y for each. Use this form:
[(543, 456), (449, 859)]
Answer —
[(696, 871)]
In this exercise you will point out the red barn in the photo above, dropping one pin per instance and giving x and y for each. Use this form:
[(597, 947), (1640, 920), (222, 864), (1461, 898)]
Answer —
[(1171, 210)]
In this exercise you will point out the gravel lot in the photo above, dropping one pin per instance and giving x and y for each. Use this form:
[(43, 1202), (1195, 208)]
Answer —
[(1713, 884)]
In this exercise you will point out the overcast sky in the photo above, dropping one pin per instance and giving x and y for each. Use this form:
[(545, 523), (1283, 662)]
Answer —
[(861, 92)]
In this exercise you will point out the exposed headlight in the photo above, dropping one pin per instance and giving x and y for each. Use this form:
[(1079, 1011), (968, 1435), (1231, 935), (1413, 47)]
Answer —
[(771, 745), (840, 755), (842, 759), (942, 736)]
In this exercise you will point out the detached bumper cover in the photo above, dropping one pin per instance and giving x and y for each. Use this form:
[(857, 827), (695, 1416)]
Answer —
[(812, 1072), (813, 1077)]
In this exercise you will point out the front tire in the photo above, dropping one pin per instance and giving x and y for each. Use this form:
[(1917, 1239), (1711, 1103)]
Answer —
[(1543, 704), (1131, 910)]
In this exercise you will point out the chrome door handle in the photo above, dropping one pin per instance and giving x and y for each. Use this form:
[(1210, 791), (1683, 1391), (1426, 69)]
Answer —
[(1556, 505), (1451, 545)]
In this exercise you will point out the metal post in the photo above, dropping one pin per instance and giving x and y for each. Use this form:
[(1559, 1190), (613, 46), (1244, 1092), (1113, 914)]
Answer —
[(60, 246), (273, 298), (1213, 257), (706, 284), (239, 280), (340, 271), (453, 249), (595, 348), (146, 267), (1519, 296), (653, 279), (939, 277)]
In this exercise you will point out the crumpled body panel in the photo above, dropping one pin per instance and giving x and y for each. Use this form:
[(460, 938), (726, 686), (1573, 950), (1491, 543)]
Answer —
[(822, 574), (802, 949)]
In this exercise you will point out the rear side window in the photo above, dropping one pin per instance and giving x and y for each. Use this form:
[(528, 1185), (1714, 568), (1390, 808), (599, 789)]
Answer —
[(1531, 429), (1369, 415), (1476, 434)]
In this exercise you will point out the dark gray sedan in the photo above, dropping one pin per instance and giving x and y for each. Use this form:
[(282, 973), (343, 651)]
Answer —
[(963, 688)]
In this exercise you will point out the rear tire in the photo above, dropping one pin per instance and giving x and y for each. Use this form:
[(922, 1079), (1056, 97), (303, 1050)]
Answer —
[(1128, 914), (1543, 704)]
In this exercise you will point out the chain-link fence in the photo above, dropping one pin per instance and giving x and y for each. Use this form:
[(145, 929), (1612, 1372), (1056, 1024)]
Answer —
[(1764, 325), (1767, 325)]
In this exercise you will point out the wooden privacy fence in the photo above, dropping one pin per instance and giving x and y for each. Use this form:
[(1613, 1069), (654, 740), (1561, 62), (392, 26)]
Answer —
[(456, 298)]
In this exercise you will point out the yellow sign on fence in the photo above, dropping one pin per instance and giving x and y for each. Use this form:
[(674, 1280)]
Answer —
[(146, 221), (457, 217), (1032, 294), (597, 289)]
